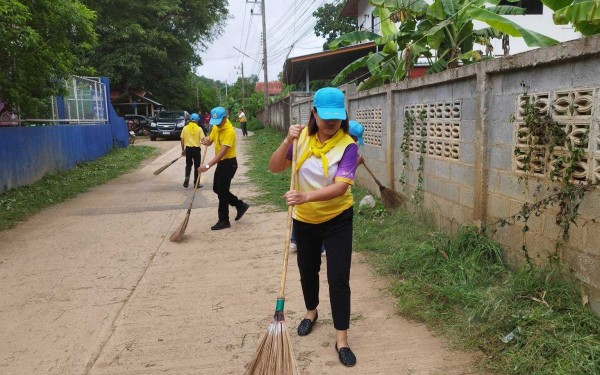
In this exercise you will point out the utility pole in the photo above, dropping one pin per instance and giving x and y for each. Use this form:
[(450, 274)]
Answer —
[(264, 46), (243, 85)]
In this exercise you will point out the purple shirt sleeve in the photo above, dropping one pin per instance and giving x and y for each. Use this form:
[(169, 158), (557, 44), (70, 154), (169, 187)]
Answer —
[(348, 163), (289, 153)]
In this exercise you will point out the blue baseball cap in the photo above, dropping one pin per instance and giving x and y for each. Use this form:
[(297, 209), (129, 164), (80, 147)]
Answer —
[(356, 130), (216, 115), (329, 102), (194, 117)]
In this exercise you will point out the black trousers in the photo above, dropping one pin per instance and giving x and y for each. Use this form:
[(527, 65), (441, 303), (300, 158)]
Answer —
[(192, 156), (244, 127), (337, 236), (222, 183)]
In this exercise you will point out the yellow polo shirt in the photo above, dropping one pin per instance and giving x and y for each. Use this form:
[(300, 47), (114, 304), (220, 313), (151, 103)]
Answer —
[(224, 135), (191, 135)]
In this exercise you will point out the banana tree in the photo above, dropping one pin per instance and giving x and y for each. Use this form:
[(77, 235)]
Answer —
[(584, 15), (441, 32)]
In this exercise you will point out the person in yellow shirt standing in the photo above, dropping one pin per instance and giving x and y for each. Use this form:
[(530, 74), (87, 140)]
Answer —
[(223, 136), (191, 136)]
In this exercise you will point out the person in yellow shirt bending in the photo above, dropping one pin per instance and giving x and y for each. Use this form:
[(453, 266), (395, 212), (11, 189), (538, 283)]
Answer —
[(191, 135), (223, 136)]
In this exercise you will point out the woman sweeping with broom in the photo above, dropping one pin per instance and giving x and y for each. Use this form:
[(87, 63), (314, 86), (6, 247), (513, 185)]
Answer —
[(327, 161)]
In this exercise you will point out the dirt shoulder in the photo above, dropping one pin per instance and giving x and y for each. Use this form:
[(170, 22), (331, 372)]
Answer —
[(94, 286)]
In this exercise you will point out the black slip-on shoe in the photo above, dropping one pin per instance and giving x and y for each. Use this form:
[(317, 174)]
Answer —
[(241, 211), (221, 225), (306, 326), (186, 182), (346, 356)]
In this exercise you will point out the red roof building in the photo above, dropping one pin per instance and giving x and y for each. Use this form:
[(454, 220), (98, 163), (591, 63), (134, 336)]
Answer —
[(275, 87)]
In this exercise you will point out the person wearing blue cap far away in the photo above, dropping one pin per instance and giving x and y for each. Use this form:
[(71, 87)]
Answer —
[(322, 200), (356, 131), (191, 136), (223, 136)]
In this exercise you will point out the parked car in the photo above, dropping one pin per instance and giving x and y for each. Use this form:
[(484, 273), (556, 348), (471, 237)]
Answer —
[(168, 124), (139, 124)]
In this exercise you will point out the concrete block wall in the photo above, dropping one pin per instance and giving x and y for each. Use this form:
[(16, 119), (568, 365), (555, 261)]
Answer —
[(475, 179)]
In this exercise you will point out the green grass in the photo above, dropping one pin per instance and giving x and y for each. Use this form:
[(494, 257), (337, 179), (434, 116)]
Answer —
[(459, 286), (272, 185), (18, 204)]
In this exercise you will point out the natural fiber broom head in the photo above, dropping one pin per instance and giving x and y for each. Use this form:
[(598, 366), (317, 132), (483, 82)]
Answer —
[(274, 355), (178, 234), (391, 199)]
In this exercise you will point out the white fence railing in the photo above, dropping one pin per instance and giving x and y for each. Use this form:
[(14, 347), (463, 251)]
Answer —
[(85, 101)]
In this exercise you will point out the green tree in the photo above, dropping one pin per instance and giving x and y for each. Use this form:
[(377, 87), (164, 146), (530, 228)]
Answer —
[(584, 15), (154, 44), (330, 24), (40, 42), (442, 32)]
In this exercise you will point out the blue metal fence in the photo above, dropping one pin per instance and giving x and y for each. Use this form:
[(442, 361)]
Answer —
[(28, 153)]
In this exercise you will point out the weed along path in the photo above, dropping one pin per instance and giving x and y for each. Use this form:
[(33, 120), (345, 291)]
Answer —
[(93, 286)]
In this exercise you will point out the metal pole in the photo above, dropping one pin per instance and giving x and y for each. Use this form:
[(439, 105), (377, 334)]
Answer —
[(264, 43), (76, 99), (243, 87)]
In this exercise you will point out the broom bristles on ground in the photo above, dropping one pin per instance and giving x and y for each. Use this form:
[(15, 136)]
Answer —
[(274, 355), (391, 198), (178, 234)]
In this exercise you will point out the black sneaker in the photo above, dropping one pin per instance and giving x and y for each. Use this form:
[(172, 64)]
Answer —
[(186, 182), (241, 211), (221, 225)]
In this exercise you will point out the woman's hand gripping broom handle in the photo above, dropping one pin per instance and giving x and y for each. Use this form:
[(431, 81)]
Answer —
[(281, 295)]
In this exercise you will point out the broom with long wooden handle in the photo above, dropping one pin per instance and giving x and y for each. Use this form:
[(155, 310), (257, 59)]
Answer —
[(178, 234), (391, 199), (275, 354), (159, 170)]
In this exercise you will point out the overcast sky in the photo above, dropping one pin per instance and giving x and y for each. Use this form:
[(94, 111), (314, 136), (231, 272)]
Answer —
[(289, 22)]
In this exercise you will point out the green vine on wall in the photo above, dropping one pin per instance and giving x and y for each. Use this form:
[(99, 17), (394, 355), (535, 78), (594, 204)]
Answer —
[(542, 136), (409, 123), (418, 194), (409, 126)]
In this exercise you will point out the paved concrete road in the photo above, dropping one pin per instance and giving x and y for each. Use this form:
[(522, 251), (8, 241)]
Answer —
[(93, 286)]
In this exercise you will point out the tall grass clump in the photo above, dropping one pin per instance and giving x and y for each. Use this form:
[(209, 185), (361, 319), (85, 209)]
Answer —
[(254, 124), (272, 185), (525, 321), (20, 203)]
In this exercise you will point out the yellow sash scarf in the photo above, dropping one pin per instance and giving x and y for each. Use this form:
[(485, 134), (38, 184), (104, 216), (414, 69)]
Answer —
[(319, 150)]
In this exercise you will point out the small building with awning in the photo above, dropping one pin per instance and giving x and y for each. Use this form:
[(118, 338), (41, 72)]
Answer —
[(136, 102), (324, 65)]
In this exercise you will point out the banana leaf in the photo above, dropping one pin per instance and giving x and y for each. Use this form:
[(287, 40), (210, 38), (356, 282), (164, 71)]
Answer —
[(488, 32), (507, 10), (437, 67), (436, 10), (556, 4), (353, 37), (370, 82), (451, 7), (583, 11), (352, 67), (531, 38)]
